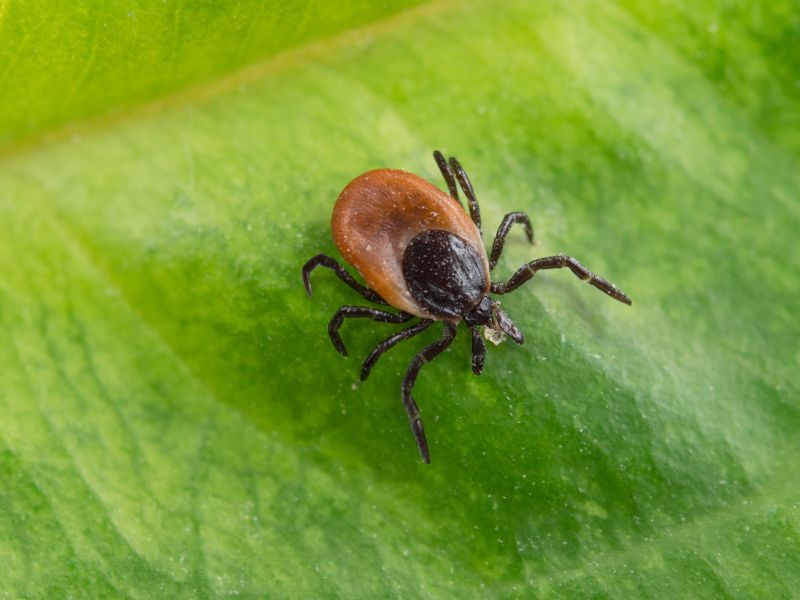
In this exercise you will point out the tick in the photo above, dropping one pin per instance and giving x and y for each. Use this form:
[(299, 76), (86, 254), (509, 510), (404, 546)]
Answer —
[(420, 253)]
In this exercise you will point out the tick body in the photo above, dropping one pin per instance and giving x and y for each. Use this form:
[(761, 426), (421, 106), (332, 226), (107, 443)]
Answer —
[(412, 243), (421, 253)]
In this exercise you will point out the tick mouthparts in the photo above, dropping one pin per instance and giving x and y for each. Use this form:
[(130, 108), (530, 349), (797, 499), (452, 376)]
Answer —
[(507, 325)]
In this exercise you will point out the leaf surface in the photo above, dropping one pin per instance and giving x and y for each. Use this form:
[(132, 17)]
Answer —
[(177, 424)]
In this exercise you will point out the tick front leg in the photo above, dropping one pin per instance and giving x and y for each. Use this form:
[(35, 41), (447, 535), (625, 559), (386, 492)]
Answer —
[(466, 185), (412, 410), (323, 260), (500, 239), (373, 314), (558, 262), (389, 343), (447, 173), (478, 351)]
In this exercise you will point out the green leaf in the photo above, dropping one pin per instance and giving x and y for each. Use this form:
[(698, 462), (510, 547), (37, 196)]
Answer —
[(59, 61), (175, 422)]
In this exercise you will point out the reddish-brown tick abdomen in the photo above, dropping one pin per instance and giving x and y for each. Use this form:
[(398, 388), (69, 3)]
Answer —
[(379, 213)]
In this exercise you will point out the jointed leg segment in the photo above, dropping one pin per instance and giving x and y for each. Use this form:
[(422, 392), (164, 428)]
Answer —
[(447, 173), (502, 231), (412, 410), (557, 262), (478, 351), (452, 171), (389, 343), (323, 260), (466, 185), (364, 312)]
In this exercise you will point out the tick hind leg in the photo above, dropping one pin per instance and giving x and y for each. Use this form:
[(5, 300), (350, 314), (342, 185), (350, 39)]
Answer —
[(373, 314), (526, 272), (466, 185), (390, 343), (412, 410), (502, 231), (323, 260)]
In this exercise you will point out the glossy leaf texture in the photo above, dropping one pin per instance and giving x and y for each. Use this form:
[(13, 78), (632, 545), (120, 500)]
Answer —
[(175, 422)]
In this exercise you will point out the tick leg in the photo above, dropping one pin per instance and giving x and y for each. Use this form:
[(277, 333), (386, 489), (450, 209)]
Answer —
[(389, 343), (558, 262), (447, 173), (466, 185), (478, 351), (502, 231), (322, 260), (373, 314), (412, 410)]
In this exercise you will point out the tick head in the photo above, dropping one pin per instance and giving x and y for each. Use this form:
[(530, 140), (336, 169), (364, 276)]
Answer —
[(489, 314), (481, 313)]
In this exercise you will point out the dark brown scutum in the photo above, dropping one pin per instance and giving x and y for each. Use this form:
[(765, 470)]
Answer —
[(444, 273)]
